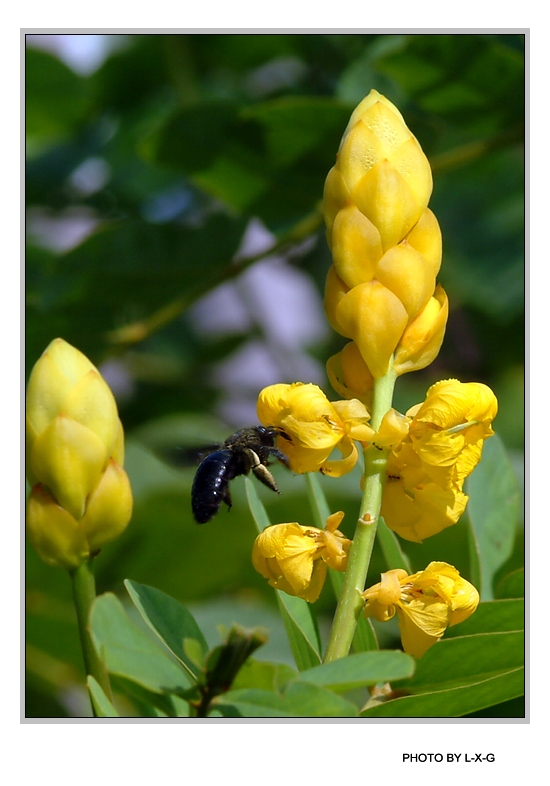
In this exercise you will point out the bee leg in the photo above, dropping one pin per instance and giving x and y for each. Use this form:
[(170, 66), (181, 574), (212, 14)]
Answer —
[(261, 472), (227, 498)]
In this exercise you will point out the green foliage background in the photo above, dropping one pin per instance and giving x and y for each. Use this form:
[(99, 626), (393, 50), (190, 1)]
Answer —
[(194, 136)]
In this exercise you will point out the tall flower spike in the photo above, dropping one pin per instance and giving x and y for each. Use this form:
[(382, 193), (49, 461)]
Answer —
[(81, 496), (385, 242), (426, 603)]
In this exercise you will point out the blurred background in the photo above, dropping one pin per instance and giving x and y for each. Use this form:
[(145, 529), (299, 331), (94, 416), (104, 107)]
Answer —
[(173, 185)]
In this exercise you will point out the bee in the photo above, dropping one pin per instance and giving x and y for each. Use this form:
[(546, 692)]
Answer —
[(247, 450)]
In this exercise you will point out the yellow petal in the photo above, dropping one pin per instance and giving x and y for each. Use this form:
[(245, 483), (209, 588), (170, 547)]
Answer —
[(68, 458), (375, 318), (425, 237), (349, 375), (109, 508), (408, 275), (53, 532), (356, 246), (422, 338)]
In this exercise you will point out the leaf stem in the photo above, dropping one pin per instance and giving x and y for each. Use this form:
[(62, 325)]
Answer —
[(350, 603), (83, 584)]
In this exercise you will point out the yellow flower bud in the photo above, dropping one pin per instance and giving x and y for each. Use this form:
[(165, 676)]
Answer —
[(426, 603), (422, 338), (294, 558), (349, 375), (375, 319), (385, 242), (408, 275), (381, 169), (75, 445), (356, 247)]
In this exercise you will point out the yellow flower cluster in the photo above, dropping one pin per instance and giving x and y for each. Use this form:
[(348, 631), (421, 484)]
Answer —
[(386, 246), (426, 603), (433, 448), (81, 497), (294, 558)]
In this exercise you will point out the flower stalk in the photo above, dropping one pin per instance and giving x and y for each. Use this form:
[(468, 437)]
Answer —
[(351, 603), (83, 586)]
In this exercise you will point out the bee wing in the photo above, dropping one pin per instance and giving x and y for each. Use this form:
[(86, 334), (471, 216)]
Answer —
[(183, 457)]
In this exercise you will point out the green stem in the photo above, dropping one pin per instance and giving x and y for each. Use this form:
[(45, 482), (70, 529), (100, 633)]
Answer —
[(350, 603), (83, 583)]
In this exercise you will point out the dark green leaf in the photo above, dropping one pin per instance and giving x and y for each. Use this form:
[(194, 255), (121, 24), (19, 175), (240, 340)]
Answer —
[(493, 510), (102, 706), (360, 670), (492, 617), (171, 621), (453, 702), (129, 652), (511, 585), (301, 700), (466, 659)]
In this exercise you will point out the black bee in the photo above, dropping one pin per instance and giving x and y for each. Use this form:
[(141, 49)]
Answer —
[(248, 450)]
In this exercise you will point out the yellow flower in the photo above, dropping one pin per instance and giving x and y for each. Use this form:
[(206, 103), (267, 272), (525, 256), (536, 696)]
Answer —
[(426, 603), (415, 508), (81, 496), (313, 426), (447, 431), (427, 468), (294, 558)]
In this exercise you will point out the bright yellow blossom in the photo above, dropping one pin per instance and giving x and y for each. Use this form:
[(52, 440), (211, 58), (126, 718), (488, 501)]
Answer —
[(427, 468), (313, 426), (426, 603), (81, 496), (294, 558), (447, 431)]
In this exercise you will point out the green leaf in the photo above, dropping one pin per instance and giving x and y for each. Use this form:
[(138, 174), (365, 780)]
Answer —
[(264, 675), (391, 548), (305, 700), (301, 700), (465, 659), (297, 616), (301, 630), (296, 125), (493, 511), (360, 669), (102, 706), (56, 97), (453, 702), (129, 652), (149, 704), (512, 585), (171, 621), (492, 617)]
